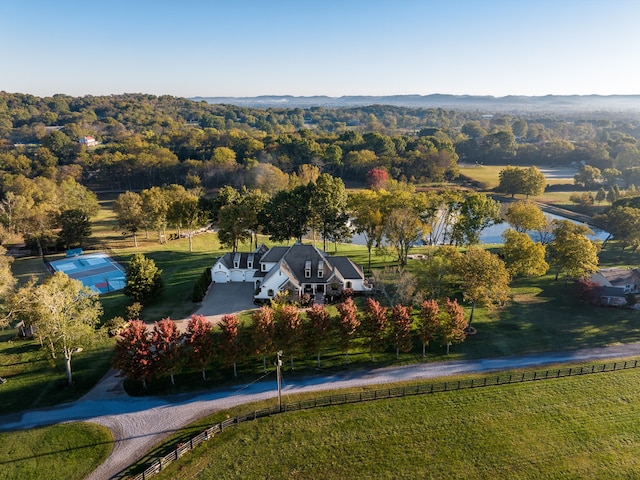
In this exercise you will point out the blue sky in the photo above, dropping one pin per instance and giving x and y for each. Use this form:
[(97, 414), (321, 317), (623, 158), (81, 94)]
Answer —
[(322, 47)]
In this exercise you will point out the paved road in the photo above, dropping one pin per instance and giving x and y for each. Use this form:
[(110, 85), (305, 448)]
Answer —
[(140, 423)]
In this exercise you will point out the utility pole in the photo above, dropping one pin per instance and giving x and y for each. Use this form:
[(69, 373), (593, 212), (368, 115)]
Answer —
[(279, 379)]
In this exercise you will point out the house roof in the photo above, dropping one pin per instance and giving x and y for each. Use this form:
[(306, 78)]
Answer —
[(621, 276), (275, 254), (227, 259), (347, 268)]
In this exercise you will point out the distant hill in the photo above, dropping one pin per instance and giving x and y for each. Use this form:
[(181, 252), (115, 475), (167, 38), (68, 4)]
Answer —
[(557, 103)]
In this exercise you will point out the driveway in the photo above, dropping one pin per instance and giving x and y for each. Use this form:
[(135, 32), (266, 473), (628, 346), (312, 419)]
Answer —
[(221, 299)]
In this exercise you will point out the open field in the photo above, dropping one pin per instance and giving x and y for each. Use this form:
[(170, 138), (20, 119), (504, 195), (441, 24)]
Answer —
[(69, 451), (551, 429), (488, 175)]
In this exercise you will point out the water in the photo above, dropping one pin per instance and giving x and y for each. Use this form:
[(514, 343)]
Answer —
[(494, 233)]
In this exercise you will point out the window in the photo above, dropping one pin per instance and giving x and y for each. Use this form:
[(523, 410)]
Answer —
[(320, 269), (307, 269), (263, 267), (270, 293), (348, 285)]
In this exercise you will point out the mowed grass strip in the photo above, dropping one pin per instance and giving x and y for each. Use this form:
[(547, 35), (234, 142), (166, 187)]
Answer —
[(578, 427), (69, 451)]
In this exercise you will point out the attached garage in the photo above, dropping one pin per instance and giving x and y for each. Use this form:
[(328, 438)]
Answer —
[(237, 275), (220, 276)]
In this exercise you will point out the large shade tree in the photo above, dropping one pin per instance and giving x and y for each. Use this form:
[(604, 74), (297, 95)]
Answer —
[(65, 315), (484, 278)]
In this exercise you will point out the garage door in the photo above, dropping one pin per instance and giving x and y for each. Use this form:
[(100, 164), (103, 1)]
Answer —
[(220, 277), (237, 276)]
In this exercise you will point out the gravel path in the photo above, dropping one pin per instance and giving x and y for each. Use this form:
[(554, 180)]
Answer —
[(140, 423)]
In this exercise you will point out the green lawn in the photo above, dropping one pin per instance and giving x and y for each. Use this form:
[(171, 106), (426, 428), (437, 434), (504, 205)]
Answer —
[(66, 451), (488, 176), (552, 429), (36, 381)]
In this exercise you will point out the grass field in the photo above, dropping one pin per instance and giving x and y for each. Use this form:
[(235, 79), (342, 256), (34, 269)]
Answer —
[(66, 451), (488, 175), (551, 429)]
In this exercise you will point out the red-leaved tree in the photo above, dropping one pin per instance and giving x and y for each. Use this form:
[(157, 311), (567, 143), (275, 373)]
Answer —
[(288, 326), (318, 329), (263, 332), (199, 343), (348, 322), (228, 341), (453, 326), (377, 178), (401, 324), (428, 323), (133, 354), (166, 340), (374, 323)]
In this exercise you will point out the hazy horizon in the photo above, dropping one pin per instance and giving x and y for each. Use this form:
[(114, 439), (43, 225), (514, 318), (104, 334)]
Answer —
[(358, 48)]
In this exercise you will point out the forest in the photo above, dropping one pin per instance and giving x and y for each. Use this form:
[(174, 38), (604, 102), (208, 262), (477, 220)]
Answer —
[(145, 140)]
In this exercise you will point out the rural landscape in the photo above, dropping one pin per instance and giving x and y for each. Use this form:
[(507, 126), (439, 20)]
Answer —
[(409, 204), (335, 240)]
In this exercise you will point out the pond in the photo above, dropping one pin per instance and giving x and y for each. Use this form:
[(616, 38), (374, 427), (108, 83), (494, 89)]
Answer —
[(494, 233)]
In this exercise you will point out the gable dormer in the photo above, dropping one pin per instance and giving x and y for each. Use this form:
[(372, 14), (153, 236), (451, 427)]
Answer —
[(321, 269), (307, 269), (250, 260), (236, 260)]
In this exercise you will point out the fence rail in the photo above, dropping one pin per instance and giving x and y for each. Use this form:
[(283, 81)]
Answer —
[(344, 398)]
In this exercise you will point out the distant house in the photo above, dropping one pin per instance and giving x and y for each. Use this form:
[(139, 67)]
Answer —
[(299, 269), (88, 141), (616, 283)]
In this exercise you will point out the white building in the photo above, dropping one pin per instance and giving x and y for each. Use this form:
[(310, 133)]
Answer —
[(299, 269)]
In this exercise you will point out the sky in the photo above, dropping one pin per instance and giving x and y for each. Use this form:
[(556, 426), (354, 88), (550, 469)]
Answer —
[(241, 48)]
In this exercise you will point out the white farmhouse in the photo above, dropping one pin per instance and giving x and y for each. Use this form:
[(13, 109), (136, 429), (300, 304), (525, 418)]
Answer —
[(299, 269)]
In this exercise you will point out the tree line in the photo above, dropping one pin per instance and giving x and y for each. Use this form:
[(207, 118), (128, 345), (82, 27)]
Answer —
[(142, 354), (147, 141)]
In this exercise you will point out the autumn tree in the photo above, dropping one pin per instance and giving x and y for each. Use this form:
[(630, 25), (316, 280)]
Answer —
[(453, 326), (165, 342), (288, 329), (374, 324), (571, 251), (185, 212), (484, 278), (7, 284), (522, 256), (377, 178), (133, 353), (401, 328), (155, 207), (428, 323), (263, 332), (228, 341), (588, 177), (199, 343), (623, 223), (524, 181), (367, 219), (65, 314), (525, 216), (144, 279), (475, 213), (129, 214), (318, 329), (348, 322)]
